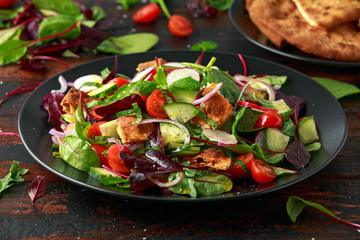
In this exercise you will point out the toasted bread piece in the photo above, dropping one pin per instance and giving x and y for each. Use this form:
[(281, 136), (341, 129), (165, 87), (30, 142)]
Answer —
[(210, 157), (341, 43), (131, 133), (328, 13), (152, 63), (70, 102)]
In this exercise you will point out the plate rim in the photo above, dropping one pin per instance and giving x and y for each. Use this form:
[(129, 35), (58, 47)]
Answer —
[(179, 200), (240, 4)]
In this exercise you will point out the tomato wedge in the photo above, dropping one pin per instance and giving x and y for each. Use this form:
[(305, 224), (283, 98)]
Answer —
[(156, 102), (120, 81), (180, 26), (240, 170), (99, 149), (261, 171), (6, 3), (147, 13), (269, 119), (115, 161), (94, 130)]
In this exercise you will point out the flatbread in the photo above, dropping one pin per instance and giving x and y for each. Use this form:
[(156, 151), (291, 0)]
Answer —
[(328, 13), (282, 17)]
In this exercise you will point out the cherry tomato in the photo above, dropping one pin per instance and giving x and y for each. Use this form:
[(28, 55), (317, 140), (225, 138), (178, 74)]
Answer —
[(147, 13), (114, 160), (120, 81), (269, 119), (99, 149), (261, 171), (155, 104), (236, 170), (180, 26), (94, 130), (6, 3)]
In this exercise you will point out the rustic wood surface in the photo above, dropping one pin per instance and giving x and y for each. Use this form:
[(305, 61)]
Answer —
[(71, 212)]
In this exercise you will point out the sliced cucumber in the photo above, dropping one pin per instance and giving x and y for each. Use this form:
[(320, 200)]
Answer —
[(307, 130), (187, 96), (171, 133), (104, 89), (105, 176), (181, 111), (109, 129), (282, 108), (183, 151), (68, 118), (275, 139)]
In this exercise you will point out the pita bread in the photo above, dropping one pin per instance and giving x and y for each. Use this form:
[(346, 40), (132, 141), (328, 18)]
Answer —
[(282, 17), (328, 13)]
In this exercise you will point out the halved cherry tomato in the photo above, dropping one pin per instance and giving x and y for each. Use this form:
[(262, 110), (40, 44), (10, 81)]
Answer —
[(147, 13), (269, 119), (99, 149), (115, 161), (261, 171), (6, 3), (156, 102), (180, 26), (120, 81), (236, 170), (94, 130)]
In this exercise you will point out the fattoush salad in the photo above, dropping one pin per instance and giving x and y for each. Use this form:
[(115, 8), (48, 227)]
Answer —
[(180, 127)]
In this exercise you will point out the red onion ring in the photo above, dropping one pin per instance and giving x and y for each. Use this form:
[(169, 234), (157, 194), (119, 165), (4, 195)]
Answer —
[(207, 96), (179, 176), (63, 85)]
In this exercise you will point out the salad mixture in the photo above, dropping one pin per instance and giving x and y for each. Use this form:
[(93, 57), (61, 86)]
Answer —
[(182, 128)]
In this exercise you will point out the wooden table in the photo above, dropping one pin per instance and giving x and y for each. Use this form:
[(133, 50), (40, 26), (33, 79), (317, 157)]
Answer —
[(71, 212)]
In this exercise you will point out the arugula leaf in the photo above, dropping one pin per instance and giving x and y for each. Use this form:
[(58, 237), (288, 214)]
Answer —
[(204, 46), (14, 175), (337, 88)]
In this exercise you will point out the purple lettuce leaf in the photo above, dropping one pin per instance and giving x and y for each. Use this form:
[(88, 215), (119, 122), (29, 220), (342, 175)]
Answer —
[(51, 103), (155, 139), (147, 165), (37, 188), (292, 101), (90, 37)]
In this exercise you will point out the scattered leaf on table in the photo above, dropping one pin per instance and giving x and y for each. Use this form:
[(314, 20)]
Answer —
[(204, 46), (337, 88), (37, 188), (14, 175)]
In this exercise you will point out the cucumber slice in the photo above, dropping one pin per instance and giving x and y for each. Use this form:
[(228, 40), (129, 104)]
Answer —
[(282, 108), (183, 151), (104, 89), (171, 133), (181, 111), (68, 118), (109, 129), (187, 96), (307, 130), (105, 176), (275, 139)]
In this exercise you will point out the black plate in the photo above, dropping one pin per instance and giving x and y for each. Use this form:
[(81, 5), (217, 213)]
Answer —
[(329, 115), (241, 21)]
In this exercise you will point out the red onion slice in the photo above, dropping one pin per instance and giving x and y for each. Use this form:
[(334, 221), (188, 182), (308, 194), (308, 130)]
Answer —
[(179, 125), (141, 75), (179, 176), (113, 171), (56, 133), (113, 140), (63, 85), (222, 137), (270, 90), (207, 96)]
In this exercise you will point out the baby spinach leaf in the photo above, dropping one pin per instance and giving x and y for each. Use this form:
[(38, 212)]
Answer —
[(229, 88), (14, 175), (8, 34), (220, 4), (64, 6), (313, 146), (78, 153), (204, 46), (127, 3), (295, 205), (337, 88), (186, 83), (247, 121), (58, 23), (132, 43), (12, 51)]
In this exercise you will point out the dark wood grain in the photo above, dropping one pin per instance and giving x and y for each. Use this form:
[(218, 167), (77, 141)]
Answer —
[(71, 212)]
